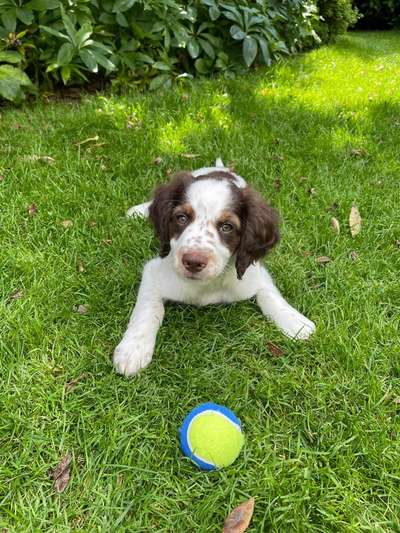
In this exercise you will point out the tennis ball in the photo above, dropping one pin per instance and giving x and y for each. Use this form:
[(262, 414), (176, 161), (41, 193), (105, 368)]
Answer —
[(211, 436)]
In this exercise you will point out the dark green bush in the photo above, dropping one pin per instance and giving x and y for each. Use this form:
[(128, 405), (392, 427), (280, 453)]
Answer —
[(144, 42), (378, 14), (337, 16)]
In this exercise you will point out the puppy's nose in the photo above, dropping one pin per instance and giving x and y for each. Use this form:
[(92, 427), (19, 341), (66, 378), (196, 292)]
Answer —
[(194, 261)]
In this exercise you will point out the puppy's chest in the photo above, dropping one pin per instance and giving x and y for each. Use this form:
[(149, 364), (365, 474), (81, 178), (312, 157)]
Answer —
[(193, 293)]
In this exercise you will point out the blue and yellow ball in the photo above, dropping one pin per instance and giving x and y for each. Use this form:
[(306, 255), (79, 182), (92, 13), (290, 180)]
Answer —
[(211, 436)]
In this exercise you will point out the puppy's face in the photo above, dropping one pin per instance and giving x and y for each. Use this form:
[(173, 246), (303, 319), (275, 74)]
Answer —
[(204, 222)]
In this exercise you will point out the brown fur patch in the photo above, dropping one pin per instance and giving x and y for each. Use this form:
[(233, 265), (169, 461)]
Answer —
[(231, 239), (166, 199)]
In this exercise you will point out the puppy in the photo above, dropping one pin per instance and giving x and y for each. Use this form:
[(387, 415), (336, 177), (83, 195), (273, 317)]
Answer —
[(213, 231)]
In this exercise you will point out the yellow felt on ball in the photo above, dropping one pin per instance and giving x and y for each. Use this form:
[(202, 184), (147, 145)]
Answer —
[(214, 438)]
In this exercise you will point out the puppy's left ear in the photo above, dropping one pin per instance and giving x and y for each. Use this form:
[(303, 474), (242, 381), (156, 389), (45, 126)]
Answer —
[(260, 230)]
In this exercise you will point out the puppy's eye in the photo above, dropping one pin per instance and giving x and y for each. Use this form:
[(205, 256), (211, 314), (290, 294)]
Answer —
[(182, 219), (226, 227)]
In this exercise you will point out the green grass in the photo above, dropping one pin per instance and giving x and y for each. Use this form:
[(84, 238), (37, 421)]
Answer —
[(322, 446)]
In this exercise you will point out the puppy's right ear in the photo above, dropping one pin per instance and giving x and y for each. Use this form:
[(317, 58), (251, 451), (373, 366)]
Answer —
[(166, 198)]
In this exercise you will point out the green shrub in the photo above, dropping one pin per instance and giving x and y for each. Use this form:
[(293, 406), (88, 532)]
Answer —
[(337, 16), (378, 14), (149, 43)]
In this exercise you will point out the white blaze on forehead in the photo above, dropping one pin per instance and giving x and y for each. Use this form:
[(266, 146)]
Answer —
[(209, 197)]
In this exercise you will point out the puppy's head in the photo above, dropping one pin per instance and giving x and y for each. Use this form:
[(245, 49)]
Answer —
[(205, 221)]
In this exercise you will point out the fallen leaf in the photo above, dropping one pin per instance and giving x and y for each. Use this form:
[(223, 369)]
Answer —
[(277, 184), (323, 259), (82, 309), (303, 178), (43, 158), (397, 401), (32, 209), (61, 473), (335, 225), (354, 220), (274, 350), (74, 382), (354, 255), (67, 223), (90, 139), (190, 156), (157, 161), (239, 519), (57, 370), (279, 157), (16, 295), (2, 178), (398, 243), (81, 267), (107, 241), (358, 152)]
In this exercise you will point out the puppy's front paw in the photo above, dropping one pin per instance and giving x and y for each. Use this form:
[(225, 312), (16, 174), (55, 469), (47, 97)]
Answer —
[(297, 326), (131, 356)]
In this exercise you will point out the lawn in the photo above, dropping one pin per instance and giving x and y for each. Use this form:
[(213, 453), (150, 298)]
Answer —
[(314, 134)]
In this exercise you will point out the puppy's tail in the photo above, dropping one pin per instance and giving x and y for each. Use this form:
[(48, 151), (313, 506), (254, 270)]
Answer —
[(219, 163)]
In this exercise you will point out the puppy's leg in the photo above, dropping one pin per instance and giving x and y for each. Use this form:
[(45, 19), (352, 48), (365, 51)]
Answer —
[(136, 348), (274, 306), (140, 210)]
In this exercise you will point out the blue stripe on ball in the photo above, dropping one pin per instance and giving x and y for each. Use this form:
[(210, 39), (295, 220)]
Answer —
[(183, 432)]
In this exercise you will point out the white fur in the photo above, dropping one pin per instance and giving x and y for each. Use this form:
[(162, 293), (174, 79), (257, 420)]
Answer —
[(164, 280)]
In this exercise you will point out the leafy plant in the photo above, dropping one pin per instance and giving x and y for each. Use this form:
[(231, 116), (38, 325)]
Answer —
[(148, 43), (336, 17)]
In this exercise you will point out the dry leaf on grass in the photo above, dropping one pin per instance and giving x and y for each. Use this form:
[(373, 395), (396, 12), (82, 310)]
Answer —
[(239, 519), (74, 382), (157, 161), (32, 209), (61, 473), (190, 156), (277, 184), (398, 243), (67, 223), (90, 139), (358, 152), (106, 241), (82, 309), (274, 350), (81, 267), (42, 158), (16, 295), (323, 259), (354, 255), (335, 225), (397, 401), (2, 178), (354, 220)]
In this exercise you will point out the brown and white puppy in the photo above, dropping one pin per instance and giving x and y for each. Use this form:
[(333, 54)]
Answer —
[(213, 230)]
